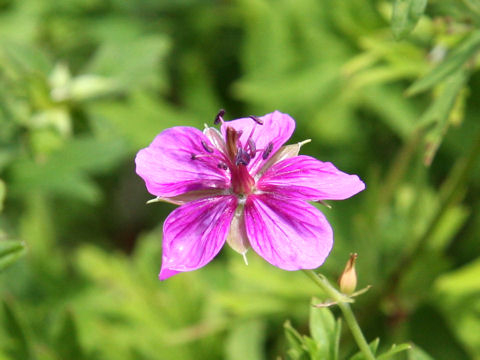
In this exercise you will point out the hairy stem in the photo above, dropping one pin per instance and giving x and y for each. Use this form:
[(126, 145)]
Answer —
[(347, 312)]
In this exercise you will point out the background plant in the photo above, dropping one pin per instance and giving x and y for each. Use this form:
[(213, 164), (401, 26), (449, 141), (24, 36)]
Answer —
[(85, 84)]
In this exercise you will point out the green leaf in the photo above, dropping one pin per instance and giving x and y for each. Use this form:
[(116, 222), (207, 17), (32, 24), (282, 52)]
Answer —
[(18, 345), (66, 171), (338, 333), (395, 349), (457, 295), (10, 251), (405, 16), (23, 58), (418, 354), (295, 341), (67, 343), (132, 63), (458, 57), (373, 347), (323, 329), (245, 341), (440, 110)]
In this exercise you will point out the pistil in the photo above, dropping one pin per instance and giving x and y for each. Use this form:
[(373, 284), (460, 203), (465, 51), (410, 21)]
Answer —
[(242, 182)]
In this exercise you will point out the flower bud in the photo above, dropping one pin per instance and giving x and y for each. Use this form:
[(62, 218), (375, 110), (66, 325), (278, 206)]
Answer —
[(348, 279)]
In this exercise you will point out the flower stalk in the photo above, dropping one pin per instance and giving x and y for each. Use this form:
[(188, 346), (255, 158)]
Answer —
[(347, 312)]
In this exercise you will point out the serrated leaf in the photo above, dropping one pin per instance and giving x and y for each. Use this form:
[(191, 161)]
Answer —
[(10, 251), (458, 57), (405, 16)]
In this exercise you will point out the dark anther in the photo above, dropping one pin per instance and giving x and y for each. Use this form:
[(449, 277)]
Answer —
[(242, 158), (252, 148), (219, 117), (256, 119), (206, 147), (222, 166), (193, 157), (267, 151)]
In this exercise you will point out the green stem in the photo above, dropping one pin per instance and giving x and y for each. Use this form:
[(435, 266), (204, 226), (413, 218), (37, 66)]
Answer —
[(347, 312)]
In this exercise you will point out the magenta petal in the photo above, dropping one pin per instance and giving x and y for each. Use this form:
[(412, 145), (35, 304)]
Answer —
[(166, 273), (194, 233), (303, 177), (167, 167), (277, 129), (290, 234)]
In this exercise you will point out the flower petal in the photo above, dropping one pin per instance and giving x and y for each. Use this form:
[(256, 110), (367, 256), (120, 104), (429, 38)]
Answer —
[(276, 129), (285, 152), (194, 233), (290, 234), (303, 177), (167, 167)]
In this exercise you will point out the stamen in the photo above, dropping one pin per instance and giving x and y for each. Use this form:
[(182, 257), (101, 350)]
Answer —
[(204, 156), (219, 117), (206, 147), (256, 119), (325, 204), (252, 147), (245, 257), (242, 158), (223, 166), (251, 143), (267, 151)]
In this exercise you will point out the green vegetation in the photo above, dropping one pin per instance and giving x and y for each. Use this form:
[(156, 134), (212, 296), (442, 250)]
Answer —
[(386, 90)]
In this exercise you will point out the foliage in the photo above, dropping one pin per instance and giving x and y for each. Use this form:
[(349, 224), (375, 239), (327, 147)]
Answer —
[(386, 90)]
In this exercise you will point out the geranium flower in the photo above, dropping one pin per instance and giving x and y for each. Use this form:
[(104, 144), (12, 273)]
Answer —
[(240, 185)]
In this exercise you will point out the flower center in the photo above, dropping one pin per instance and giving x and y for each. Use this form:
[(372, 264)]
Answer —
[(240, 157), (235, 155)]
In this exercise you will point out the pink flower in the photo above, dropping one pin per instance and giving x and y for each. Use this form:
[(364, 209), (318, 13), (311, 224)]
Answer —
[(241, 186)]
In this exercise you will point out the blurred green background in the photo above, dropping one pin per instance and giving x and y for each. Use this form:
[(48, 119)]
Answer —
[(84, 84)]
